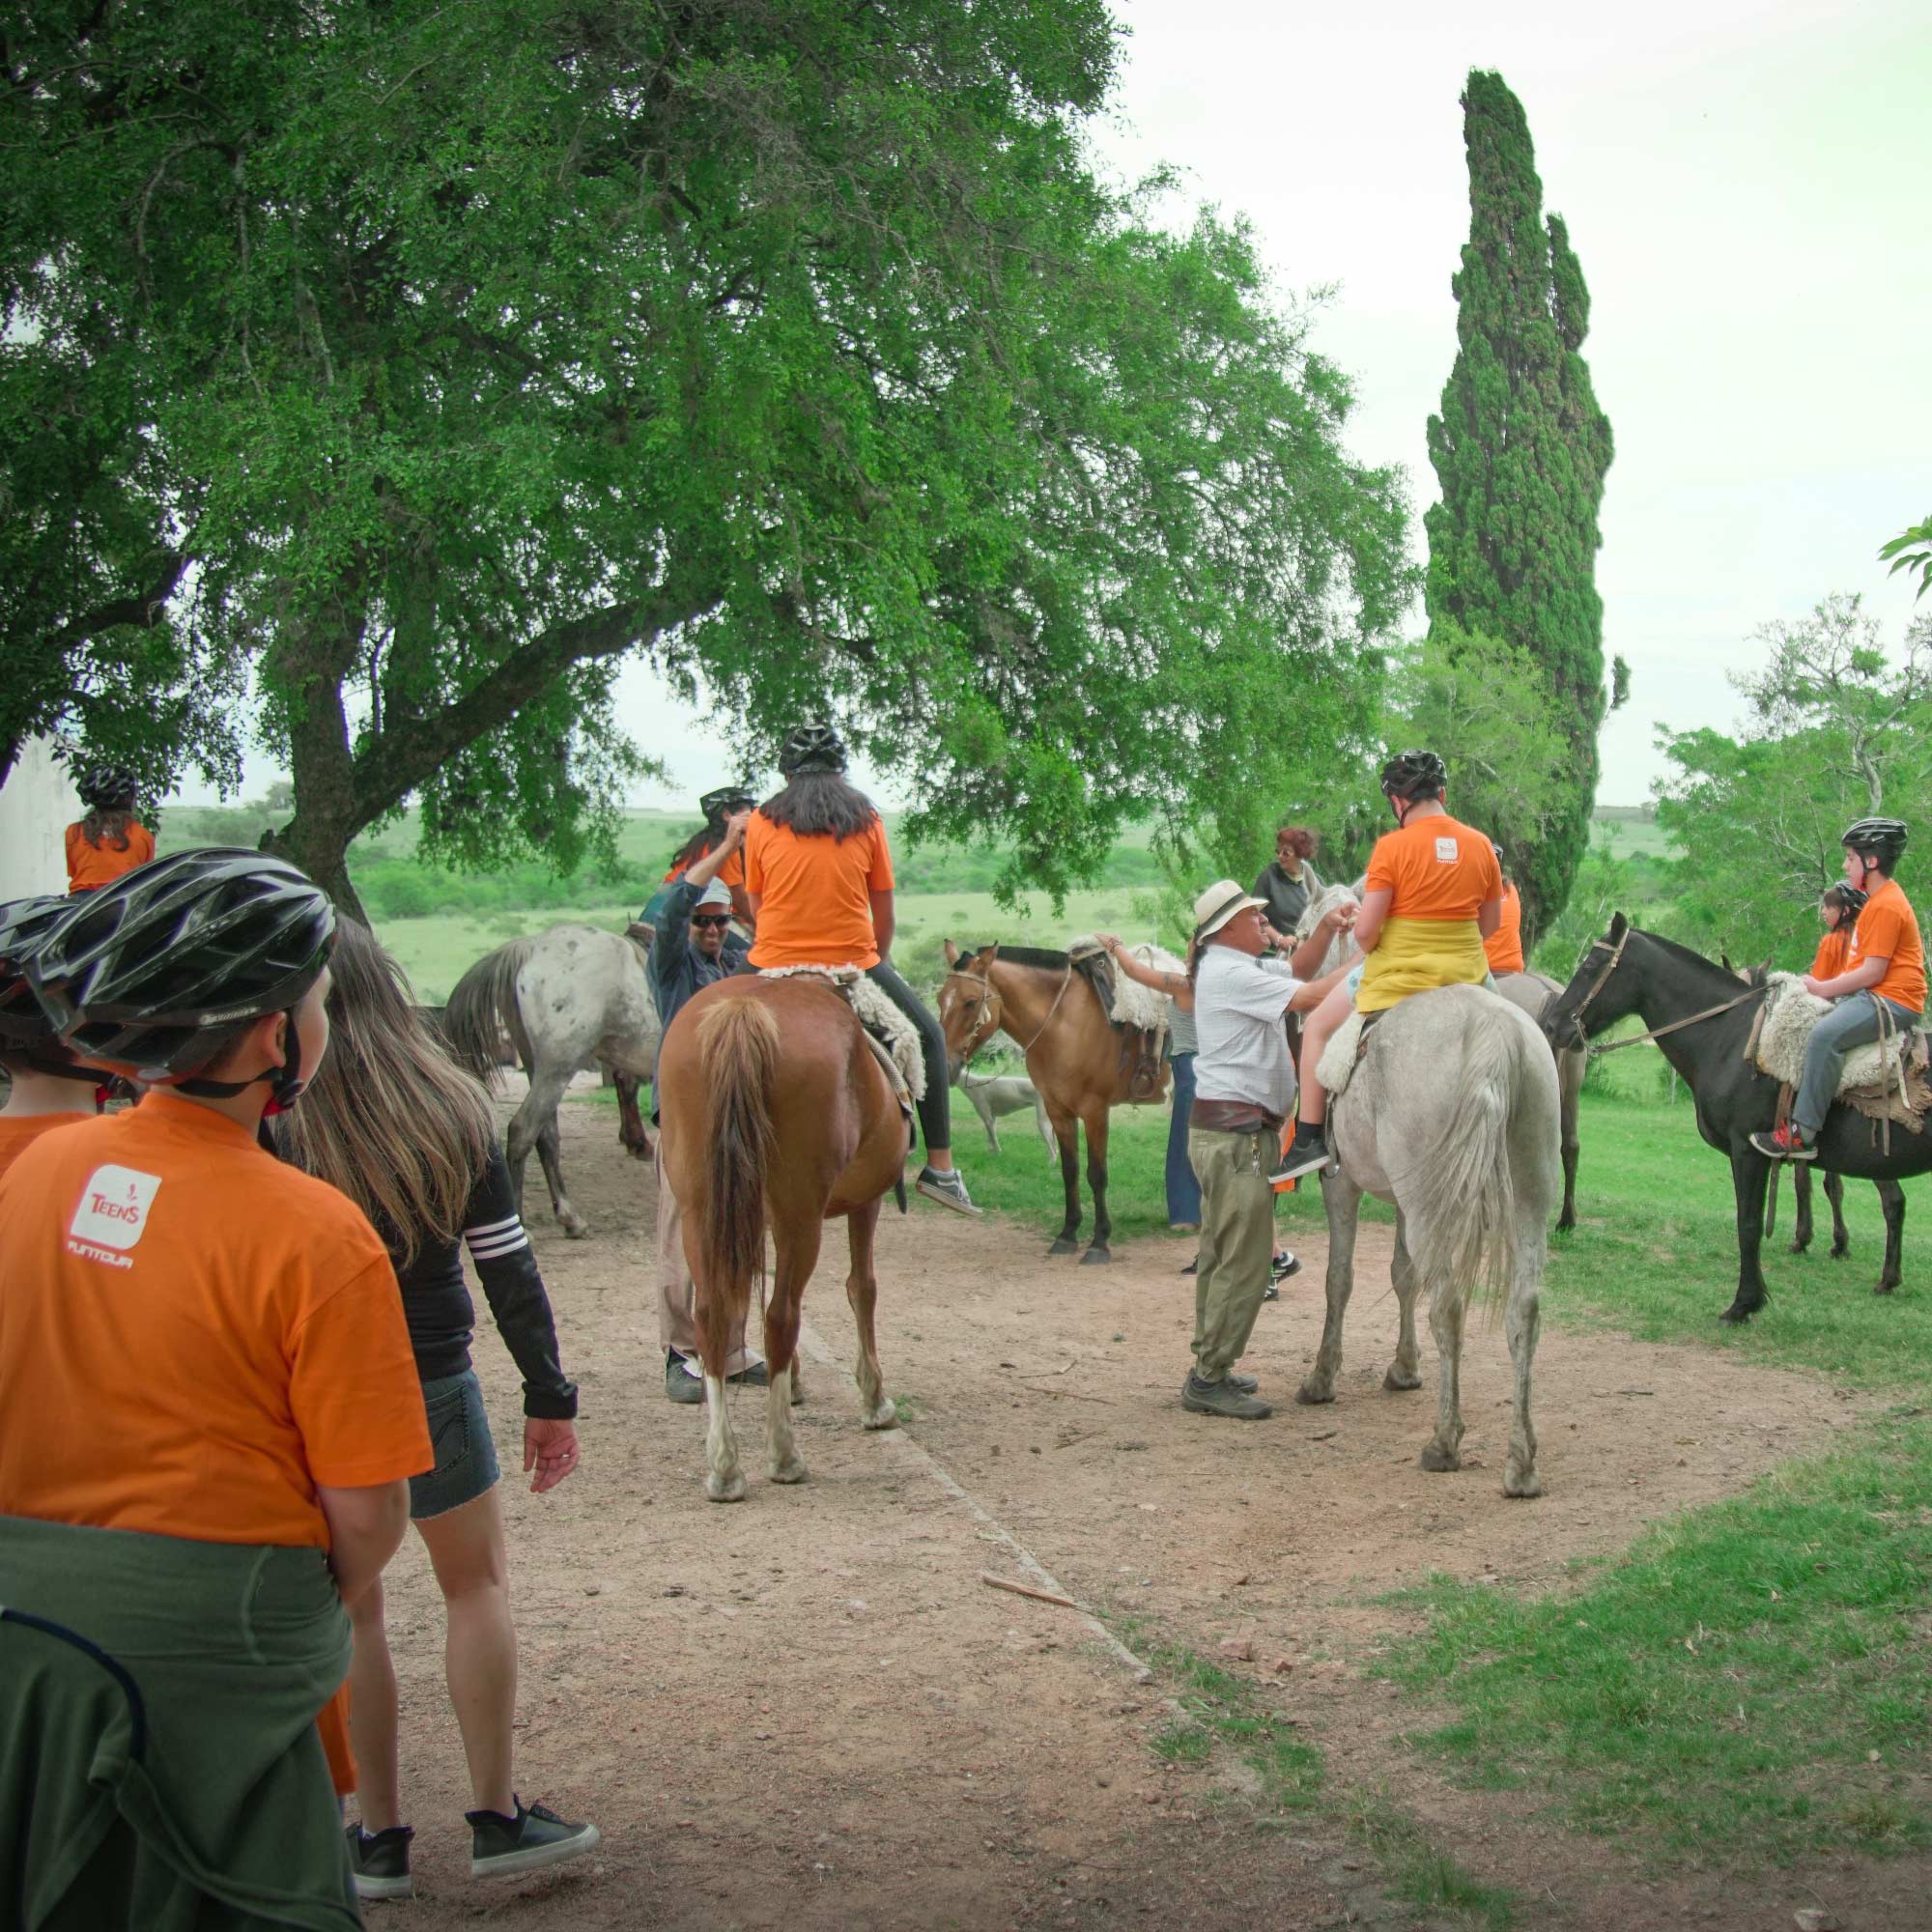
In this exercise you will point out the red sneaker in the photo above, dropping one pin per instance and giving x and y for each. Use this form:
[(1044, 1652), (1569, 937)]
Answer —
[(1784, 1143)]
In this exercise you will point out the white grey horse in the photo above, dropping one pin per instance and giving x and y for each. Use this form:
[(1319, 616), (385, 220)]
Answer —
[(1451, 1116), (1532, 992), (568, 998)]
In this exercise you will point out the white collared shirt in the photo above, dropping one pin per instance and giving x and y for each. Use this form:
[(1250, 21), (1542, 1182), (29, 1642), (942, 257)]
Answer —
[(1239, 1004)]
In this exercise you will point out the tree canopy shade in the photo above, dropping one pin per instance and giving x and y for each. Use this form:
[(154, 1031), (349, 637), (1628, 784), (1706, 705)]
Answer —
[(450, 353), (1520, 450)]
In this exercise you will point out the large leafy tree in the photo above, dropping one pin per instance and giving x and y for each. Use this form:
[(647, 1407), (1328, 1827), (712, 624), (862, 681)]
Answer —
[(467, 350), (1835, 727), (1520, 450)]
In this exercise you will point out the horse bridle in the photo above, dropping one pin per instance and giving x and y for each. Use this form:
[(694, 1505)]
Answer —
[(999, 1008), (1602, 980)]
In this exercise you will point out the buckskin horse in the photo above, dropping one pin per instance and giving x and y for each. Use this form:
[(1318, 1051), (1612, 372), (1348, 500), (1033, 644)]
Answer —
[(1702, 1023), (1074, 1056), (773, 1110)]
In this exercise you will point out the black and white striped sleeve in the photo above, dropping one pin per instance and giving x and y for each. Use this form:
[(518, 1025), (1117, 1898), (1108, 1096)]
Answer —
[(514, 1288)]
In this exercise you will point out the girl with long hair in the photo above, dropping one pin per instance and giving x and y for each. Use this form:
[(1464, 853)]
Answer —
[(110, 839), (410, 1137), (819, 873)]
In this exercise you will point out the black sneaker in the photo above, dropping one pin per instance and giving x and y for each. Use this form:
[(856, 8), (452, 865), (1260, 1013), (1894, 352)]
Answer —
[(1784, 1143), (1283, 1264), (679, 1385), (1306, 1154), (946, 1187), (501, 1847), (381, 1861)]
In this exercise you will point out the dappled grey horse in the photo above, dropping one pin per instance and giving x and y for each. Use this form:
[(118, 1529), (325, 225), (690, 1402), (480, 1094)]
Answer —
[(567, 998), (1451, 1116)]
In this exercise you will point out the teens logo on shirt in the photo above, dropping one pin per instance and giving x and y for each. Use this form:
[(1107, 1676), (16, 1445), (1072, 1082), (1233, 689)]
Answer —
[(113, 1214), (1446, 850)]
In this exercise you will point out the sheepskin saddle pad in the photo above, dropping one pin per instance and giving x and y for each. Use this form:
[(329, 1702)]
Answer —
[(1128, 1002), (1341, 1057), (883, 1021), (1792, 1013)]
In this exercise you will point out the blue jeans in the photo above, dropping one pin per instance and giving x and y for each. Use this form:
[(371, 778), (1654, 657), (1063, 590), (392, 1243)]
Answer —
[(1183, 1190), (1853, 1021)]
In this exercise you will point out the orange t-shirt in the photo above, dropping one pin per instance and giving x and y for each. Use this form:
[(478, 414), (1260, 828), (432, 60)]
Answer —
[(814, 903), (1504, 946), (1889, 930), (1436, 868), (89, 868), (1830, 960), (194, 1335), (731, 872), (18, 1134)]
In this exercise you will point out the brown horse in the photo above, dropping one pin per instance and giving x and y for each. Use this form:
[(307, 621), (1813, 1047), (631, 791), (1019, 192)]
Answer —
[(1073, 1055), (775, 1111)]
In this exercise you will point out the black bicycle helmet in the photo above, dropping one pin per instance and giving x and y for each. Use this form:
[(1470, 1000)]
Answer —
[(1886, 837), (1848, 899), (718, 805), (1413, 775), (159, 972), (23, 924), (105, 788), (811, 748)]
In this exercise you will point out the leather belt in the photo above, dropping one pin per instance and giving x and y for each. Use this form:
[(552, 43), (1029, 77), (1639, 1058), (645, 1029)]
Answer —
[(1234, 1116)]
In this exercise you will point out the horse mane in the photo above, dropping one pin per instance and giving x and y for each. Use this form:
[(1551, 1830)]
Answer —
[(1684, 954), (1029, 956)]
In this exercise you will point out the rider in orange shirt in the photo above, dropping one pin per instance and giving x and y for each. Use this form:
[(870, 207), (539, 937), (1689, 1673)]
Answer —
[(1839, 908), (820, 876), (1503, 948), (109, 841), (718, 807), (48, 1086)]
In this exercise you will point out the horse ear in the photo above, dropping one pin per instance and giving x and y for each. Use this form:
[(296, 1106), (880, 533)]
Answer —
[(1724, 960), (951, 953), (1764, 971), (1619, 925)]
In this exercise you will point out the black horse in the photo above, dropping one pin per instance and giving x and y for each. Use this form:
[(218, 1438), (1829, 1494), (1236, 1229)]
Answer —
[(1702, 1021)]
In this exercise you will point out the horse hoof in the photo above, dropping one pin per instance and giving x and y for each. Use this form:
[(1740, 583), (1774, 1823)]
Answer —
[(1523, 1486), (1400, 1384), (1313, 1395), (1567, 1225), (576, 1231), (1095, 1257), (1736, 1313), (1841, 1253), (1062, 1246), (1440, 1462), (1885, 1288), (882, 1416), (729, 1490), (790, 1470)]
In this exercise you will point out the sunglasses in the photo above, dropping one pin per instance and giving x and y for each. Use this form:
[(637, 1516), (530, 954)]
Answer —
[(712, 918)]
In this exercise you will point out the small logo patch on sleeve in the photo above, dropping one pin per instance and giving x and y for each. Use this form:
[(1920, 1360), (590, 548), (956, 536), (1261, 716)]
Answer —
[(113, 1214), (1445, 851)]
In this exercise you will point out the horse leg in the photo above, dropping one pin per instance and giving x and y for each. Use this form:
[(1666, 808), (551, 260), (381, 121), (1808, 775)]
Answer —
[(1570, 1094), (1447, 1305), (1067, 1131), (862, 1290), (1343, 1201), (797, 1251), (1841, 1236), (1891, 1198), (1096, 1124), (1405, 1371), (1749, 1171), (724, 1475), (1522, 1319), (632, 1132), (534, 1124), (1801, 1195)]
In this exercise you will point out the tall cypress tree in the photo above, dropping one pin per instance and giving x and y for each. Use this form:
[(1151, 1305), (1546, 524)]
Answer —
[(1520, 450)]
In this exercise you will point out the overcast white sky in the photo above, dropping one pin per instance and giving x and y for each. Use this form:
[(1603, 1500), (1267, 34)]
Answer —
[(1745, 185)]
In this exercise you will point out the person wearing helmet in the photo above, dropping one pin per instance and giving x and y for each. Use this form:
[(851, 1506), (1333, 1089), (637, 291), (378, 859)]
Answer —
[(48, 1087), (1503, 948), (109, 841), (1432, 896), (820, 876), (1839, 909), (718, 807), (1881, 988), (692, 944), (205, 1347)]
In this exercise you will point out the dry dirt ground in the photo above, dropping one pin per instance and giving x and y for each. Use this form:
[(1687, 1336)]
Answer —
[(807, 1710)]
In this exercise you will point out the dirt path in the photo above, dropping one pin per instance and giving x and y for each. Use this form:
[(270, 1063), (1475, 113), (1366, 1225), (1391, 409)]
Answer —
[(807, 1710)]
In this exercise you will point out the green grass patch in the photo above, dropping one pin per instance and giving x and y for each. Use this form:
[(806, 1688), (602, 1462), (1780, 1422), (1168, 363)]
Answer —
[(1419, 1872)]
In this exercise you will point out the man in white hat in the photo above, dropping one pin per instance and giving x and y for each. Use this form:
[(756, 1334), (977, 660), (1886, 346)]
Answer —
[(1244, 1092)]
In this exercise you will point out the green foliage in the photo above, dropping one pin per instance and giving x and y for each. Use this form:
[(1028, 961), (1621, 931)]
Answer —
[(1520, 450), (472, 349), (1911, 550), (1836, 728)]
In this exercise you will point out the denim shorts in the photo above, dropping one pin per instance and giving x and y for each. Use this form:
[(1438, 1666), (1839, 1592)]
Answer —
[(459, 1437)]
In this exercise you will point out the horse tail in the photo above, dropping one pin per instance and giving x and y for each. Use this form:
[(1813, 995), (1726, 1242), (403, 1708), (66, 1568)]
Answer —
[(738, 1053), (483, 1006), (1460, 1213)]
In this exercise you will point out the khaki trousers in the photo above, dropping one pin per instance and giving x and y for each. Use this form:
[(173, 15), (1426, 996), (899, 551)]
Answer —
[(1236, 1243), (677, 1294)]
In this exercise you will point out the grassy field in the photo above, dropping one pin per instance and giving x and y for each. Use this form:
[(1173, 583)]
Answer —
[(1750, 1681)]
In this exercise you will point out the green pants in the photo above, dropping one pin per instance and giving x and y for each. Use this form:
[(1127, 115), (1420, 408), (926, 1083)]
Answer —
[(1236, 1243)]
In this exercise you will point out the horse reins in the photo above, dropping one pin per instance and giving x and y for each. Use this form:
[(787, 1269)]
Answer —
[(1656, 1033), (999, 1006)]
